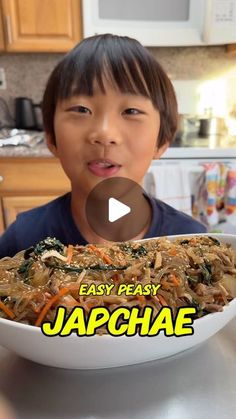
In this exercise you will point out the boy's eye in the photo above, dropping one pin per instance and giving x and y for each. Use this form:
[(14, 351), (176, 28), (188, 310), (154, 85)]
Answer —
[(132, 111), (80, 109)]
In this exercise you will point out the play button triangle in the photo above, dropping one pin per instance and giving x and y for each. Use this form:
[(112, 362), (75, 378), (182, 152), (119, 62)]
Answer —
[(116, 209)]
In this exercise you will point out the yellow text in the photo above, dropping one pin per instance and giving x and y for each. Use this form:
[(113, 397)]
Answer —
[(122, 321)]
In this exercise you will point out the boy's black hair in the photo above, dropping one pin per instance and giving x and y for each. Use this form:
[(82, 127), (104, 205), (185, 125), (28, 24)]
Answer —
[(126, 63)]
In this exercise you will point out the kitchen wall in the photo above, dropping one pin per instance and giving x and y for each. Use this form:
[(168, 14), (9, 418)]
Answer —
[(189, 68), (203, 77)]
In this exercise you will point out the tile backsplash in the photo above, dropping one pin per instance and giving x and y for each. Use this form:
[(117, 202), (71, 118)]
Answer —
[(189, 68), (26, 75)]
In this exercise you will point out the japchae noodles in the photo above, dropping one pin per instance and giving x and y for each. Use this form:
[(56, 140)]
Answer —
[(196, 271)]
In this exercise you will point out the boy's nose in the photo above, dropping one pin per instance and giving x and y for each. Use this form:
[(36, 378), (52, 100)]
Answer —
[(106, 141), (104, 133)]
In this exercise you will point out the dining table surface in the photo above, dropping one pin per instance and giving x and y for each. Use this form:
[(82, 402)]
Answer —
[(198, 383)]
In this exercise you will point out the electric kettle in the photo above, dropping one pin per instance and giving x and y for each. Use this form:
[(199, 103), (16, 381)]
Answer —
[(24, 113)]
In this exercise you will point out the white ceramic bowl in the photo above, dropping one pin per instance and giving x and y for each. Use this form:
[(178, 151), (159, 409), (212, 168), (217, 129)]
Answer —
[(106, 351)]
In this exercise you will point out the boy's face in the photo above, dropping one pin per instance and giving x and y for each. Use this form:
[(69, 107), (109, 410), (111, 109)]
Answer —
[(105, 135)]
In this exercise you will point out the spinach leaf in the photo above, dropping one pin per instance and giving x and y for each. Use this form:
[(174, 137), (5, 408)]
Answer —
[(28, 252), (48, 244), (25, 268), (184, 241), (198, 306), (134, 252), (214, 240), (192, 279), (206, 273)]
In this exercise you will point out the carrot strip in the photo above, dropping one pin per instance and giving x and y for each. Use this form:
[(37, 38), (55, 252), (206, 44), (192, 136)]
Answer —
[(172, 252), (161, 300), (70, 253), (115, 278), (141, 298), (99, 252), (36, 310), (165, 285), (92, 247), (175, 280), (48, 305), (106, 258), (7, 310)]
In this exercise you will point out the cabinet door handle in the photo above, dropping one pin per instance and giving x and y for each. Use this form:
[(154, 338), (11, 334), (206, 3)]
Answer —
[(1, 179), (8, 28)]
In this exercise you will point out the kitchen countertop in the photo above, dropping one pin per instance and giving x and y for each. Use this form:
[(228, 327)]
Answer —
[(40, 150), (190, 146), (199, 383)]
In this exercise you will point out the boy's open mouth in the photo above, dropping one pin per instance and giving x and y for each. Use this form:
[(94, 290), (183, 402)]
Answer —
[(103, 167)]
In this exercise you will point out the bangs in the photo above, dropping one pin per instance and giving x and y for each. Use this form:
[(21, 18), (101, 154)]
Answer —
[(122, 62), (122, 67)]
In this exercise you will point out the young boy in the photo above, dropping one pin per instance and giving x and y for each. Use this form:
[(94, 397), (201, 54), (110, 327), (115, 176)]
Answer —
[(108, 109)]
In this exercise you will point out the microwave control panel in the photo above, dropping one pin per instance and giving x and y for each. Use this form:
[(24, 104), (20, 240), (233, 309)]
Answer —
[(225, 11)]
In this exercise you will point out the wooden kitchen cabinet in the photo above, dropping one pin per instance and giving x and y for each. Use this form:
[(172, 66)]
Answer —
[(41, 25), (28, 183), (1, 218), (13, 205), (2, 46), (231, 48)]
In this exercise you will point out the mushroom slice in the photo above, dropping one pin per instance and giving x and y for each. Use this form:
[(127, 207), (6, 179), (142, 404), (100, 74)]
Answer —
[(53, 253)]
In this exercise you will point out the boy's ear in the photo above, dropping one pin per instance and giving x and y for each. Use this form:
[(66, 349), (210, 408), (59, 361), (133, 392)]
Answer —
[(51, 144), (160, 150)]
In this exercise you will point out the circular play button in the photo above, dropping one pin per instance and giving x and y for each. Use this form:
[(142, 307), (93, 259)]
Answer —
[(117, 209)]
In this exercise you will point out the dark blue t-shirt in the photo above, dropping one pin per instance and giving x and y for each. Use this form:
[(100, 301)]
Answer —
[(55, 220)]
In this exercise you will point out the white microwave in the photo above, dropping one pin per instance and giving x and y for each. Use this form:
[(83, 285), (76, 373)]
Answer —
[(163, 22)]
